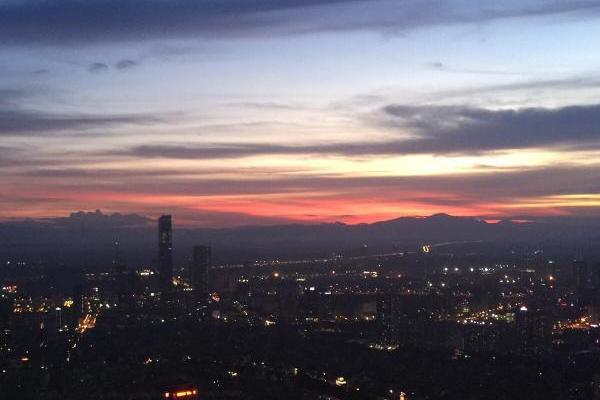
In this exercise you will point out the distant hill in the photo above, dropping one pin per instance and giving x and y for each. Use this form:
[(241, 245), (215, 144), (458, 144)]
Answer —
[(88, 238)]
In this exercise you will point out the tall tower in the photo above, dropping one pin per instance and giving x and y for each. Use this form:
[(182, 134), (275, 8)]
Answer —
[(580, 274), (165, 252), (201, 261)]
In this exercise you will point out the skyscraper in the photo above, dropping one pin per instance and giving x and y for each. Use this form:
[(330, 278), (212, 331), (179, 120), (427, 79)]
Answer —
[(165, 252), (580, 275), (199, 271)]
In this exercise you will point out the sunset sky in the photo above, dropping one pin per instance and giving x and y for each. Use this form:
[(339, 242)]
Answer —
[(240, 112)]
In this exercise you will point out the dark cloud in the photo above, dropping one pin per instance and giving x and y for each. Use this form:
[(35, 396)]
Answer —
[(99, 220), (217, 151), (18, 120), (202, 152), (453, 129), (97, 67), (40, 72), (434, 129), (126, 64), (73, 21), (28, 122)]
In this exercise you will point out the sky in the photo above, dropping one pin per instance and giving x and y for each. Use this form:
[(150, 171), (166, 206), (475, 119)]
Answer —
[(227, 113)]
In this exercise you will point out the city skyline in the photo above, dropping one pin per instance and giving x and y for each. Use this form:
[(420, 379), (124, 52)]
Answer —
[(352, 111), (300, 199)]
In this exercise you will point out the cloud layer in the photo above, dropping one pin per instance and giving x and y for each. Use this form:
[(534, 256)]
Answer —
[(449, 129), (431, 129), (75, 21)]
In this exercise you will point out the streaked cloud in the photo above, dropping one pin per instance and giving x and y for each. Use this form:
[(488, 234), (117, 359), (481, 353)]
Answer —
[(70, 22), (17, 122), (453, 129), (126, 64), (98, 67), (426, 129)]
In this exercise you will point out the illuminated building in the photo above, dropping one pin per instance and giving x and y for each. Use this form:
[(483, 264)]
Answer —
[(78, 300), (186, 393), (58, 318), (364, 250), (551, 268), (165, 252), (201, 262), (387, 315), (289, 293), (579, 275), (595, 276)]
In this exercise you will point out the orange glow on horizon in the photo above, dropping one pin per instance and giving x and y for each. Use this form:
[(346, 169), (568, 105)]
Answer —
[(359, 206)]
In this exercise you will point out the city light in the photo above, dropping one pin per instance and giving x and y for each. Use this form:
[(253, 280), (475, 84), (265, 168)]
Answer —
[(181, 394)]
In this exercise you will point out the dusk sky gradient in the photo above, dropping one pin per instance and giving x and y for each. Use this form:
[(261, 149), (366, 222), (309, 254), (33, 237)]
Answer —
[(228, 113)]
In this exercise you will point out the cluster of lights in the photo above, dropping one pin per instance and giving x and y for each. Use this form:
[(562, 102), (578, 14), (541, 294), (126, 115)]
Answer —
[(10, 288), (88, 322), (582, 323), (181, 393), (455, 269), (22, 308), (383, 347), (499, 313)]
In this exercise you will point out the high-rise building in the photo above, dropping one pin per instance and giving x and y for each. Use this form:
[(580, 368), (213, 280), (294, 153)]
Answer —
[(595, 276), (580, 276), (289, 293), (58, 319), (388, 314), (201, 262), (165, 252)]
